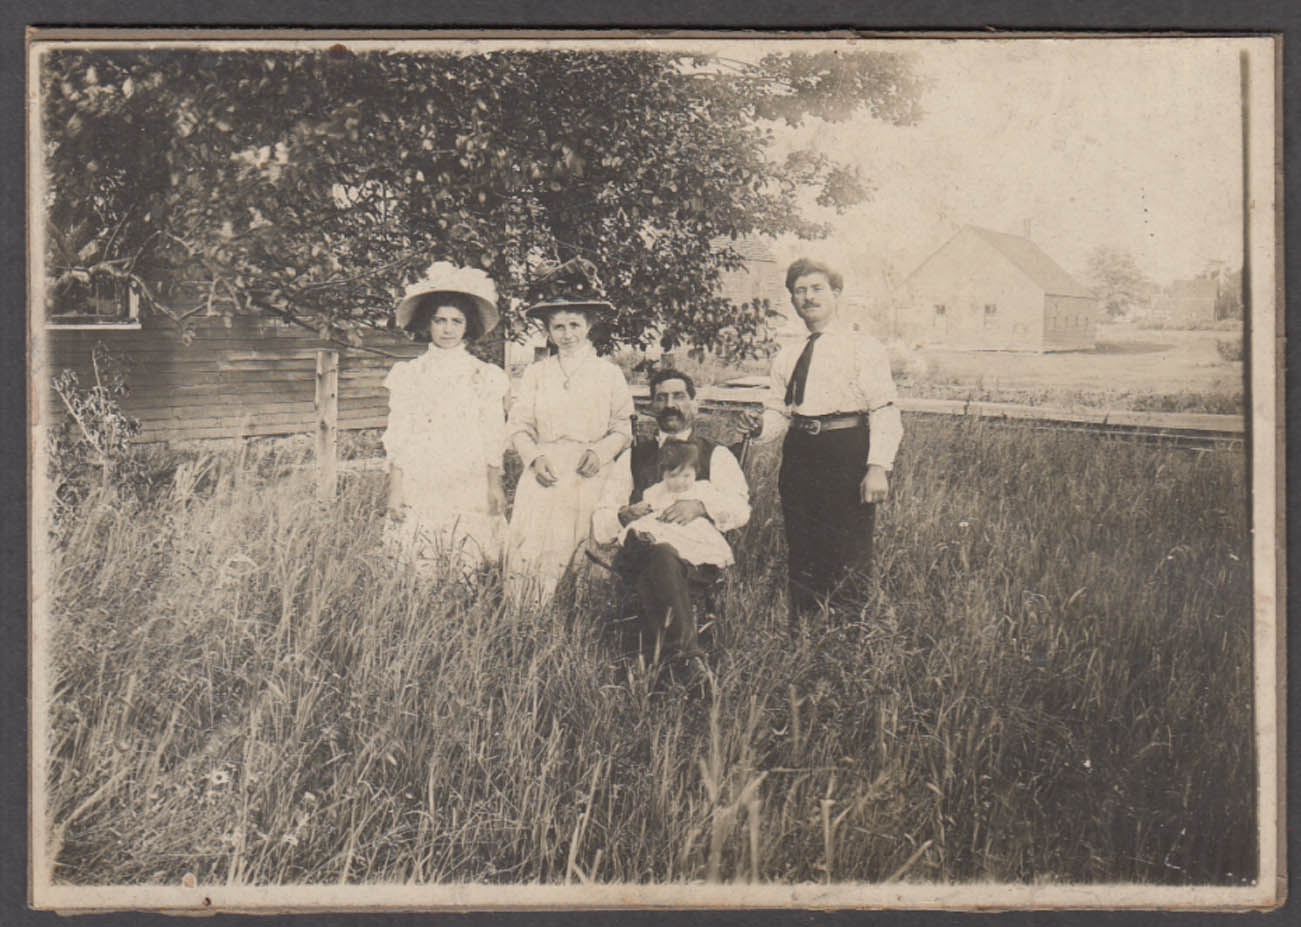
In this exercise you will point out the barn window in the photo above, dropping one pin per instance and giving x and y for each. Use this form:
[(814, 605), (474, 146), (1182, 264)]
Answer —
[(940, 309), (991, 314), (98, 302)]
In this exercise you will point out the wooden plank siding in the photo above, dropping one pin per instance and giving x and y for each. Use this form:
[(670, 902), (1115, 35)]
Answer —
[(249, 378)]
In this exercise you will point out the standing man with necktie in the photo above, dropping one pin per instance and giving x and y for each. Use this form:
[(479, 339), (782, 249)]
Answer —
[(834, 399)]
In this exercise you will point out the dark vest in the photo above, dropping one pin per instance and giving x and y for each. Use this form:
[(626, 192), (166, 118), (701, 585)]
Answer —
[(645, 463)]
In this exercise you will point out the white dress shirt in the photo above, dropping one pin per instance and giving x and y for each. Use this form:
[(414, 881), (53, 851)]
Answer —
[(849, 372), (727, 505)]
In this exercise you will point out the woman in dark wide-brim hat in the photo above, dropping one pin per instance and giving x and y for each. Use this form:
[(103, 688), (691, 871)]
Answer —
[(572, 417), (446, 426)]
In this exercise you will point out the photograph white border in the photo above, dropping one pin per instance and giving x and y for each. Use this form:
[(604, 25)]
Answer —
[(1264, 158)]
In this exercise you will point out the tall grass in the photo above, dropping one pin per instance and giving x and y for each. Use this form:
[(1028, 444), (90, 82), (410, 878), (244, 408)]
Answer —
[(1052, 682)]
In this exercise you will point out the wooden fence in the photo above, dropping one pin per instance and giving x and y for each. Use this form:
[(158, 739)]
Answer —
[(245, 379), (242, 381)]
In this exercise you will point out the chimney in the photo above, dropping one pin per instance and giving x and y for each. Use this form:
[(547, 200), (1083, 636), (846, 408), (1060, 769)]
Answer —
[(1025, 228)]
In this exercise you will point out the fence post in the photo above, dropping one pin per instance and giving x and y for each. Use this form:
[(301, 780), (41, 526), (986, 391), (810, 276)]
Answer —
[(327, 424)]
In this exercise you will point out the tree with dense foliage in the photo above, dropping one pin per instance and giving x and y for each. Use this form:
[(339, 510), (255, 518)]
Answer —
[(313, 184), (1116, 278)]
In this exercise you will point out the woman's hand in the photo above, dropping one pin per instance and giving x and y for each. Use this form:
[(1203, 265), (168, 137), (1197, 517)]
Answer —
[(589, 464), (496, 498), (543, 471), (396, 496)]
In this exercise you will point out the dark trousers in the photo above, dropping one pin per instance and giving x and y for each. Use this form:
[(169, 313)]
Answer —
[(664, 583), (828, 530)]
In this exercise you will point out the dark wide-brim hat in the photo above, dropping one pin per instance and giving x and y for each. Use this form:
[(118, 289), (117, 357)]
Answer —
[(572, 286), (468, 288)]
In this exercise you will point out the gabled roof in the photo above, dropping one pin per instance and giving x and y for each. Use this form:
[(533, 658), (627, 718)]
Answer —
[(1050, 276), (1024, 255)]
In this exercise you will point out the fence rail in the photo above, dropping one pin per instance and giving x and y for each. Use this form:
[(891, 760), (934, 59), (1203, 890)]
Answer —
[(1184, 429), (1181, 428)]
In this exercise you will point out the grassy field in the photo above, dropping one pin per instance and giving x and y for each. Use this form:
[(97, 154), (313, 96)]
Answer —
[(1131, 368), (1052, 682)]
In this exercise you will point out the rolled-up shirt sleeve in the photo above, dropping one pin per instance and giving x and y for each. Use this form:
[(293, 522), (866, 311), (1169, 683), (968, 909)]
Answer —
[(877, 386), (614, 496), (726, 495), (776, 416)]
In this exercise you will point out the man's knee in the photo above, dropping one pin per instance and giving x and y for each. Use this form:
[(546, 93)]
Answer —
[(663, 558)]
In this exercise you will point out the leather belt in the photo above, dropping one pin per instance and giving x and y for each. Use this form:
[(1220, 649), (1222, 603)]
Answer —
[(816, 424)]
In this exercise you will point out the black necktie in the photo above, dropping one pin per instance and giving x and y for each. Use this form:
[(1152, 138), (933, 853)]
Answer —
[(795, 388)]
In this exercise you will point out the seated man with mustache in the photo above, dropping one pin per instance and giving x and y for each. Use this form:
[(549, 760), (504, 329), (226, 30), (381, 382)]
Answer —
[(662, 579)]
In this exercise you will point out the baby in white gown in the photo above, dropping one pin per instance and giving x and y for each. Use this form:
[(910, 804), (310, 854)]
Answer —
[(698, 541)]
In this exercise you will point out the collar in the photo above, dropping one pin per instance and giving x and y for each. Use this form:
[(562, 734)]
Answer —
[(436, 355), (836, 327), (584, 351), (661, 437)]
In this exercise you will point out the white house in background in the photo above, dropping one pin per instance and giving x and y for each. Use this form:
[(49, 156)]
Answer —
[(989, 290), (762, 279)]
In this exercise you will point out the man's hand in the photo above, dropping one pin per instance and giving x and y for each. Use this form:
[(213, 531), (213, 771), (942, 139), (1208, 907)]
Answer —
[(875, 486), (589, 464), (630, 513), (543, 472), (751, 423), (683, 511)]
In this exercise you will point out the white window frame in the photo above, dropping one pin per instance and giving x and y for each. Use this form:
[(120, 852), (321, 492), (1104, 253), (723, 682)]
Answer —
[(130, 323)]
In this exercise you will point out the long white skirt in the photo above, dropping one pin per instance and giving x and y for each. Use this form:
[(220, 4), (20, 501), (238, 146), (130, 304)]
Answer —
[(439, 543), (550, 523)]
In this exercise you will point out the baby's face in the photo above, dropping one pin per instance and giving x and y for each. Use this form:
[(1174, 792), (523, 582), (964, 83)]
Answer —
[(680, 480)]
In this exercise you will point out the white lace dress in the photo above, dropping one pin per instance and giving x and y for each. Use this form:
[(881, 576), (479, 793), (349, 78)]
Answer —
[(446, 425), (561, 412)]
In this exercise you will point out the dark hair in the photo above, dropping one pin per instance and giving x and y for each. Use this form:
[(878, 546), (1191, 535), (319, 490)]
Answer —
[(677, 454), (804, 267), (423, 314), (668, 373), (546, 315)]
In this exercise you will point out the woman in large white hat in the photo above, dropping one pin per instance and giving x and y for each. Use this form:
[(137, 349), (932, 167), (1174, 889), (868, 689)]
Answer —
[(572, 417), (447, 426)]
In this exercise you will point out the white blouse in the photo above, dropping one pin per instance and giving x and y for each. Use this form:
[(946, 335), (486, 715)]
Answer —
[(849, 372), (447, 415), (587, 401)]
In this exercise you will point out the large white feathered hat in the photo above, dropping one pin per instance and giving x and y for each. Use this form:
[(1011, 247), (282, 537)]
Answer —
[(443, 278)]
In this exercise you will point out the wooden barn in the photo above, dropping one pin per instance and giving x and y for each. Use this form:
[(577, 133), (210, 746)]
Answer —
[(990, 290), (243, 377)]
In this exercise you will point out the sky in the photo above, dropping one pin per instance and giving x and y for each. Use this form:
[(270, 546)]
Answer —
[(1133, 143)]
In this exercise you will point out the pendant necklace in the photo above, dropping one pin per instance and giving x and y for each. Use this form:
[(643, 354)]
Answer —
[(564, 373)]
